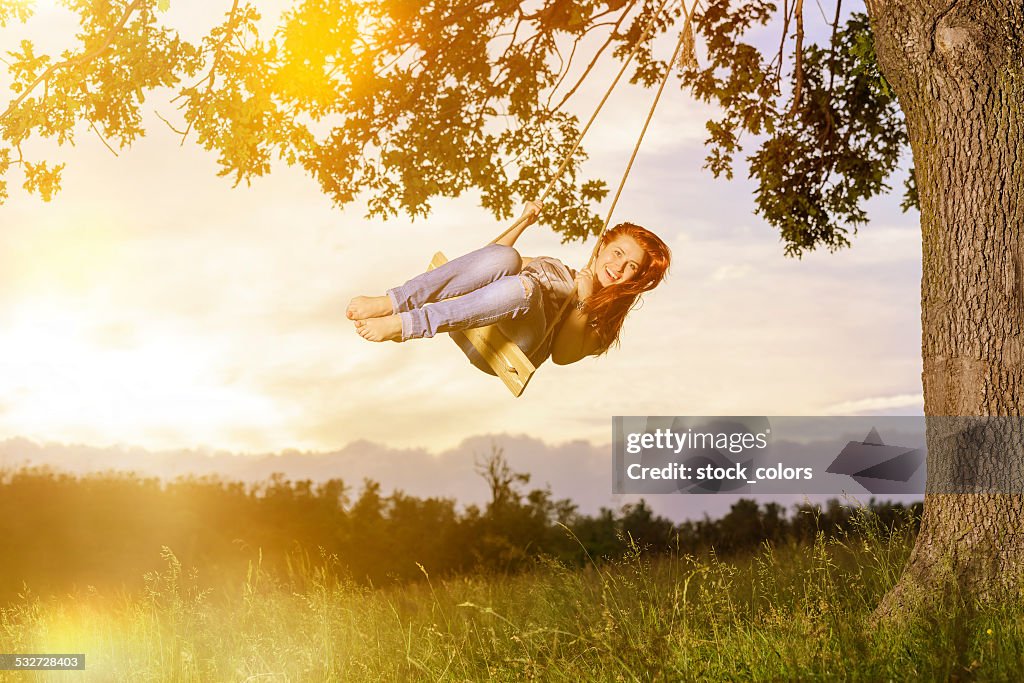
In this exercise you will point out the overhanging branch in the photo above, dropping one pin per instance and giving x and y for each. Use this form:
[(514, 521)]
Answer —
[(81, 59)]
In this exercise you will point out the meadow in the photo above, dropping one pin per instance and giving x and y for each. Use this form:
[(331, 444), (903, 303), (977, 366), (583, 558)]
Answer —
[(797, 611)]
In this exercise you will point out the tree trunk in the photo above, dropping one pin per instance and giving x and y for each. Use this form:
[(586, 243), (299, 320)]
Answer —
[(958, 68)]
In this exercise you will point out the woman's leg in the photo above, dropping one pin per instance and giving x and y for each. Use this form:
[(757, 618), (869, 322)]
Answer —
[(459, 276), (456, 277), (525, 331), (507, 297)]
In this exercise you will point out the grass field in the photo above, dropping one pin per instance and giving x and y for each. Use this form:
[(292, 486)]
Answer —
[(795, 613)]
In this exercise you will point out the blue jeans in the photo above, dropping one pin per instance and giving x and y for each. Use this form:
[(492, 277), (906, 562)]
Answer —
[(489, 291)]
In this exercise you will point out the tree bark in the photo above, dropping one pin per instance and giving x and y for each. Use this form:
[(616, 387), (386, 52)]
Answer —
[(957, 68)]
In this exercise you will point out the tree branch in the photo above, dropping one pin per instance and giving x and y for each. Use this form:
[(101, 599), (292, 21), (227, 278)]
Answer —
[(798, 66), (218, 53), (787, 16), (563, 73), (832, 52), (169, 124), (229, 32), (81, 59), (103, 139), (597, 56), (455, 17)]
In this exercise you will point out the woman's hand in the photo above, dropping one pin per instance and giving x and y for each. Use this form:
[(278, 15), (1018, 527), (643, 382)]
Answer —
[(585, 284), (531, 211)]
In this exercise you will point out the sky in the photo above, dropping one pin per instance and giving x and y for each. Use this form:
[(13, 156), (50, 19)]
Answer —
[(152, 306)]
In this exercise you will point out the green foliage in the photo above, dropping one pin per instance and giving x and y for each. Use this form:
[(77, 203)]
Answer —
[(779, 612), (42, 179), (736, 77), (122, 53), (427, 100), (397, 103), (19, 10), (5, 163), (833, 150), (394, 102), (234, 109), (826, 146), (74, 531)]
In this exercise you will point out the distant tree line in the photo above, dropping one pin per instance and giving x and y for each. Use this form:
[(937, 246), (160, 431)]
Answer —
[(60, 532)]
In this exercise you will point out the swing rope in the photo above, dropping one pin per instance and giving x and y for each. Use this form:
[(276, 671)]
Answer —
[(629, 166), (579, 139), (498, 352)]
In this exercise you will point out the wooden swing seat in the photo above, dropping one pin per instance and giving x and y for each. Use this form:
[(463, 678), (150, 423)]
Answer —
[(506, 358)]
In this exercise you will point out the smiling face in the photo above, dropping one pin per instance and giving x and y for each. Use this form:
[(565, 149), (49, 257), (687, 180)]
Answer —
[(619, 261)]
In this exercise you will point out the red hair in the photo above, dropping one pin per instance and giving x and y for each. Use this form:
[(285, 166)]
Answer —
[(608, 306)]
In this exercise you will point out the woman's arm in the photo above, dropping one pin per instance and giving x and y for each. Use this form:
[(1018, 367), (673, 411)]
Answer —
[(529, 217), (575, 339)]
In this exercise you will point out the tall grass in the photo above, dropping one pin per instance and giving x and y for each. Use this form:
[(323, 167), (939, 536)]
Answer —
[(790, 613)]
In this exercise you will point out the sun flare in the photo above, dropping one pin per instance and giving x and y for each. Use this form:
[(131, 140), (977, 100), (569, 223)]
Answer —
[(67, 379)]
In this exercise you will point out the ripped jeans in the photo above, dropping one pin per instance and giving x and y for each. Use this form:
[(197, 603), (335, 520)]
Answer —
[(489, 290)]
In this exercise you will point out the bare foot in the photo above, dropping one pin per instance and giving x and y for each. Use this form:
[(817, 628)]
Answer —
[(388, 328), (363, 307)]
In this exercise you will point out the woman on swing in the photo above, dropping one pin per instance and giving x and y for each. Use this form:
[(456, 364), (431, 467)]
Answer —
[(523, 296)]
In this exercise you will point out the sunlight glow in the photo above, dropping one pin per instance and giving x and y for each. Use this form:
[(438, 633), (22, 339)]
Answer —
[(66, 383)]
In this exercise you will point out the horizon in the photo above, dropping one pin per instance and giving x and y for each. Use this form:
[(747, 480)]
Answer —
[(575, 470)]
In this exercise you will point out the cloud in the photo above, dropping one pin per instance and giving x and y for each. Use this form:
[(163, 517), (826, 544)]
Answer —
[(731, 272)]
